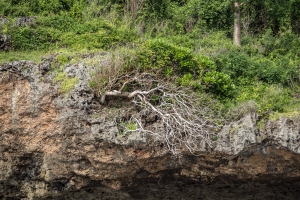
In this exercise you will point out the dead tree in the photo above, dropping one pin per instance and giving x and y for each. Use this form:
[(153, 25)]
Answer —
[(183, 126)]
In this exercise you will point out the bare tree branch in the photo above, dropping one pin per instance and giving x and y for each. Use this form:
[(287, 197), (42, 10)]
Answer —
[(126, 94), (183, 126)]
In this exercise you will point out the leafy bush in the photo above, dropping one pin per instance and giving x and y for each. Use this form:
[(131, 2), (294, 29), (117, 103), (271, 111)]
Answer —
[(62, 59), (103, 38), (63, 22), (281, 70), (162, 55), (64, 31), (240, 66), (269, 98), (25, 8), (285, 44), (219, 84), (213, 43), (190, 70), (235, 64), (155, 9), (30, 38)]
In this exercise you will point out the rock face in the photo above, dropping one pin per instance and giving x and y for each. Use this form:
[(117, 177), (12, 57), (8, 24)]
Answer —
[(68, 146), (4, 38)]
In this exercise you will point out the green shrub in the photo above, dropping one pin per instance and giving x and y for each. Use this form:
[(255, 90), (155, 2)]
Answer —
[(269, 98), (275, 98), (154, 10), (187, 80), (160, 54), (62, 59), (65, 31), (33, 38), (63, 22), (181, 40), (281, 70), (213, 43), (25, 8), (14, 8), (219, 84), (239, 66), (286, 43), (235, 64)]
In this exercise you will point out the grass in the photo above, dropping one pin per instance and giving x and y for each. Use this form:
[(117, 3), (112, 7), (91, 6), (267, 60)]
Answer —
[(66, 83), (21, 55), (131, 126), (63, 55), (276, 115)]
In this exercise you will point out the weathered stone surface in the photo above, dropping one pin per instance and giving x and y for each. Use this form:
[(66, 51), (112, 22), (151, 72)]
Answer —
[(4, 38), (3, 20), (56, 146), (5, 42), (25, 20)]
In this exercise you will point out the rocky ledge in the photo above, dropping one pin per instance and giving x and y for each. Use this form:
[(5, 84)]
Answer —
[(68, 146)]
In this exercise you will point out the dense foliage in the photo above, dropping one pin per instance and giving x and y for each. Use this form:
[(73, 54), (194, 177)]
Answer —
[(186, 42)]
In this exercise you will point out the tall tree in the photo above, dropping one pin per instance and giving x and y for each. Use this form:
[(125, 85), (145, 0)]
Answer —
[(237, 24)]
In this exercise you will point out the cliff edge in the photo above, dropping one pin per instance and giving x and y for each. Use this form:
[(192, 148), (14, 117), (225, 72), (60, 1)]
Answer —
[(58, 145)]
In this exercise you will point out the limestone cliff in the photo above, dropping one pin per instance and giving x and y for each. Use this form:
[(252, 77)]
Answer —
[(68, 146)]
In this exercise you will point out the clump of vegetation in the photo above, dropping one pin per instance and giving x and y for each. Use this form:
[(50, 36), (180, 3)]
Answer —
[(66, 83), (127, 127)]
